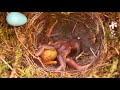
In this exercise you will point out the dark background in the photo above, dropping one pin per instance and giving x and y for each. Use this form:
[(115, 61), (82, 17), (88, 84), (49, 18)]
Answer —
[(60, 5)]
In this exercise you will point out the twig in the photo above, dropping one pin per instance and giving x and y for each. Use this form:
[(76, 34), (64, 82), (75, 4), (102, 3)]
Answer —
[(29, 50), (51, 28), (6, 63), (97, 51), (36, 16), (92, 52), (2, 58), (74, 27), (79, 55), (116, 50)]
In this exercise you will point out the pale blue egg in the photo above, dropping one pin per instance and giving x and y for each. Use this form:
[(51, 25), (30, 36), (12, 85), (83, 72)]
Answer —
[(16, 19)]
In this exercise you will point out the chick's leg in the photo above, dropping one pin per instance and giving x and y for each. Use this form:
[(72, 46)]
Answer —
[(42, 48), (73, 64), (62, 63)]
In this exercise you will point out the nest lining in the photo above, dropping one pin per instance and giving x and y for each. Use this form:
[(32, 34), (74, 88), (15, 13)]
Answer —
[(84, 25)]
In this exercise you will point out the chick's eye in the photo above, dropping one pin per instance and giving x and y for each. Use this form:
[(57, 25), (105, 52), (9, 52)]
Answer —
[(78, 37)]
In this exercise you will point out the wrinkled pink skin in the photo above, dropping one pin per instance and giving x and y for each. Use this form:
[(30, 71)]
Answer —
[(64, 48)]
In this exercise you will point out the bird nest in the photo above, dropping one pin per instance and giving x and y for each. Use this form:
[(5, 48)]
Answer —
[(87, 27)]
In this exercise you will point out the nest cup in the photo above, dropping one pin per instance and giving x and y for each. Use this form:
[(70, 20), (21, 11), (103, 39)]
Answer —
[(86, 26)]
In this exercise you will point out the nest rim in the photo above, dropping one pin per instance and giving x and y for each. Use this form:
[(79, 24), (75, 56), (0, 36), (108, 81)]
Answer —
[(103, 48)]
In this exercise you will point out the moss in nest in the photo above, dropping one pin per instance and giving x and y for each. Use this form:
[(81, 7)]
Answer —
[(52, 75), (31, 72), (7, 34), (107, 30), (108, 70), (26, 72), (4, 69), (18, 56)]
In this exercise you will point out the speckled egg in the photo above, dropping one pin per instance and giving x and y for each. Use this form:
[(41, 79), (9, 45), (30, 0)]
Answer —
[(16, 19)]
